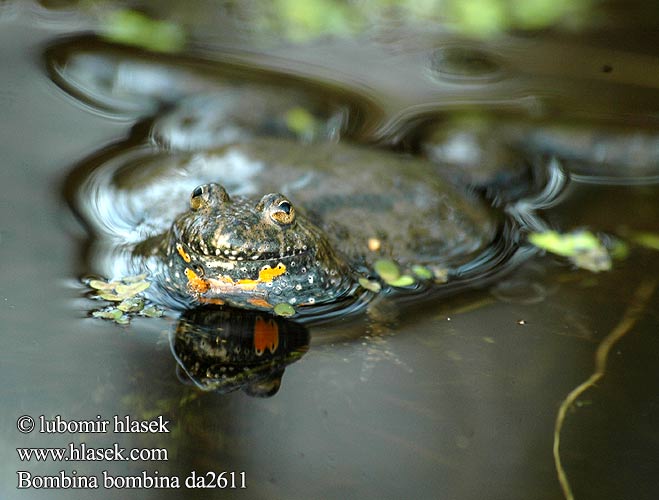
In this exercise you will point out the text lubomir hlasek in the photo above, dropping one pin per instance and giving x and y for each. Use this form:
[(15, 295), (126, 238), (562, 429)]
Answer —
[(117, 424)]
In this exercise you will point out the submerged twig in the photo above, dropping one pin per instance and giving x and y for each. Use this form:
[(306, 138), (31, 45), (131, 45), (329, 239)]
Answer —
[(639, 302)]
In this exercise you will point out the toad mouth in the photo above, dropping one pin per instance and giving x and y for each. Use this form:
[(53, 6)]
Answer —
[(242, 254)]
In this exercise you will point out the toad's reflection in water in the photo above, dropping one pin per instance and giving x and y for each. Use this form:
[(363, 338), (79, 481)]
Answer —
[(226, 349)]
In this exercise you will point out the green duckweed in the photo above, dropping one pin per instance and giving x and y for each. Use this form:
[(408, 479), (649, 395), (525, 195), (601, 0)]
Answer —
[(402, 281), (387, 270), (372, 286), (284, 310)]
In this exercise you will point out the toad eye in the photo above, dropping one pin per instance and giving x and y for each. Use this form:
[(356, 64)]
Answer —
[(207, 195), (277, 209), (283, 213), (285, 206)]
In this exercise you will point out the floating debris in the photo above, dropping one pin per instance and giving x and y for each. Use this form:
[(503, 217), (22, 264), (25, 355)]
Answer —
[(402, 281), (423, 272), (390, 273), (117, 291), (152, 311), (124, 291), (371, 286), (595, 260), (112, 314), (301, 122), (131, 304), (440, 274), (583, 248), (374, 244)]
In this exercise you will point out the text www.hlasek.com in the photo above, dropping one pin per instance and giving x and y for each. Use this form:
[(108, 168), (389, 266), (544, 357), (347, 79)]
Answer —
[(82, 453)]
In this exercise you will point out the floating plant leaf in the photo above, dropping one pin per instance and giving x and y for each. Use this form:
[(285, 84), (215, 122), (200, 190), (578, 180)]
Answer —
[(122, 320), (285, 310), (124, 291), (568, 244), (422, 272), (134, 279), (387, 270), (111, 296), (102, 285), (401, 281), (440, 274), (112, 314), (372, 286), (595, 260), (116, 291), (152, 312), (583, 248), (131, 289), (131, 304)]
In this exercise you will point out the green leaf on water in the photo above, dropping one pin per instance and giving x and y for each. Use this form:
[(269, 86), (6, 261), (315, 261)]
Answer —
[(122, 320), (402, 281), (111, 296), (131, 304), (132, 289), (151, 312), (372, 286), (102, 285), (595, 260), (422, 272), (134, 279), (568, 244), (112, 314), (387, 270), (583, 248), (116, 291), (284, 309)]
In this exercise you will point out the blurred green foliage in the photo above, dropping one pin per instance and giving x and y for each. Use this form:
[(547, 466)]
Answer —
[(134, 28), (646, 239), (299, 21)]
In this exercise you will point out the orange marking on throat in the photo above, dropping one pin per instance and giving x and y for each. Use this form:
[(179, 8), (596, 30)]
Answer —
[(182, 253), (214, 301), (247, 284), (259, 302), (224, 284), (195, 283)]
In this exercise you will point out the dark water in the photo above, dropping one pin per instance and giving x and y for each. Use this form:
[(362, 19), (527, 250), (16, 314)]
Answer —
[(456, 399)]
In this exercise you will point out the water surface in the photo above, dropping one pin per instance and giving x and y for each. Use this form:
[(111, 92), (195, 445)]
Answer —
[(454, 399)]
